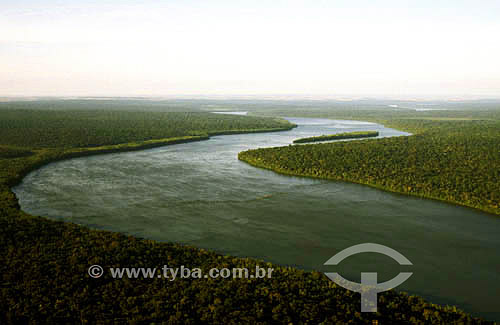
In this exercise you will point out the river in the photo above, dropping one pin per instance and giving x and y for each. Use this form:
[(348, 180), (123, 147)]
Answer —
[(200, 194)]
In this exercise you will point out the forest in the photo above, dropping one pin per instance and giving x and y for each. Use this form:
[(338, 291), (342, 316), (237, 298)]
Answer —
[(43, 263), (338, 136), (90, 128)]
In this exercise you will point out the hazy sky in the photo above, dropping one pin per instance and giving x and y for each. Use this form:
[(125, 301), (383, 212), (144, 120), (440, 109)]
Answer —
[(355, 47)]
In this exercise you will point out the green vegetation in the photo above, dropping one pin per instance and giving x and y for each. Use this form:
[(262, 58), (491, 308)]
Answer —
[(43, 263), (339, 136), (13, 152)]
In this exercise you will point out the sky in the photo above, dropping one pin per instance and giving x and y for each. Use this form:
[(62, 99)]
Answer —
[(398, 48)]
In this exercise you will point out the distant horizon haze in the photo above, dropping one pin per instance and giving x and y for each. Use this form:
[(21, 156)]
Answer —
[(316, 48)]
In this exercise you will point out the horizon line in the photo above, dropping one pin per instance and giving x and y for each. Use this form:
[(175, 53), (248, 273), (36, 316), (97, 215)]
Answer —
[(256, 96)]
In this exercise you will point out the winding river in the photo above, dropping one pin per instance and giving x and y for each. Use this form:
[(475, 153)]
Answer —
[(200, 194)]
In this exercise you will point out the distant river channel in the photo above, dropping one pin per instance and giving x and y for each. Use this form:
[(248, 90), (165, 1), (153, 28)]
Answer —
[(200, 194)]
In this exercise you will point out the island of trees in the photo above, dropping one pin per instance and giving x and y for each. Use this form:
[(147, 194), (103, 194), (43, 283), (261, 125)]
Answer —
[(338, 136)]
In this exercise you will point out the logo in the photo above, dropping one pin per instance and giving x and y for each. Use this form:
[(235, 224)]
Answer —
[(95, 271), (368, 288)]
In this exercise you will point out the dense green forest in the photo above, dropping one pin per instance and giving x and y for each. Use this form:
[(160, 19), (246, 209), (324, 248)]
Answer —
[(43, 263), (450, 159), (338, 136), (89, 128)]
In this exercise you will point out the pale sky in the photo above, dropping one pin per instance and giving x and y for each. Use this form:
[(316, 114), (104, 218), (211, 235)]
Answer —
[(239, 47)]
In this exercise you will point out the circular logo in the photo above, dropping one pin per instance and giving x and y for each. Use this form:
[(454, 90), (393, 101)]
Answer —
[(96, 271)]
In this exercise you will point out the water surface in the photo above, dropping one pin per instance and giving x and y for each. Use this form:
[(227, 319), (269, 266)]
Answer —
[(200, 194)]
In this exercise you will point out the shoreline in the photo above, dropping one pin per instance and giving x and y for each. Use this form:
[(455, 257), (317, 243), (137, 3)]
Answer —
[(46, 156), (385, 123), (288, 173)]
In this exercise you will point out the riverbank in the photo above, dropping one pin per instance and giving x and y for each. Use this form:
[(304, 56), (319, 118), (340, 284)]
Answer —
[(450, 161), (41, 157)]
